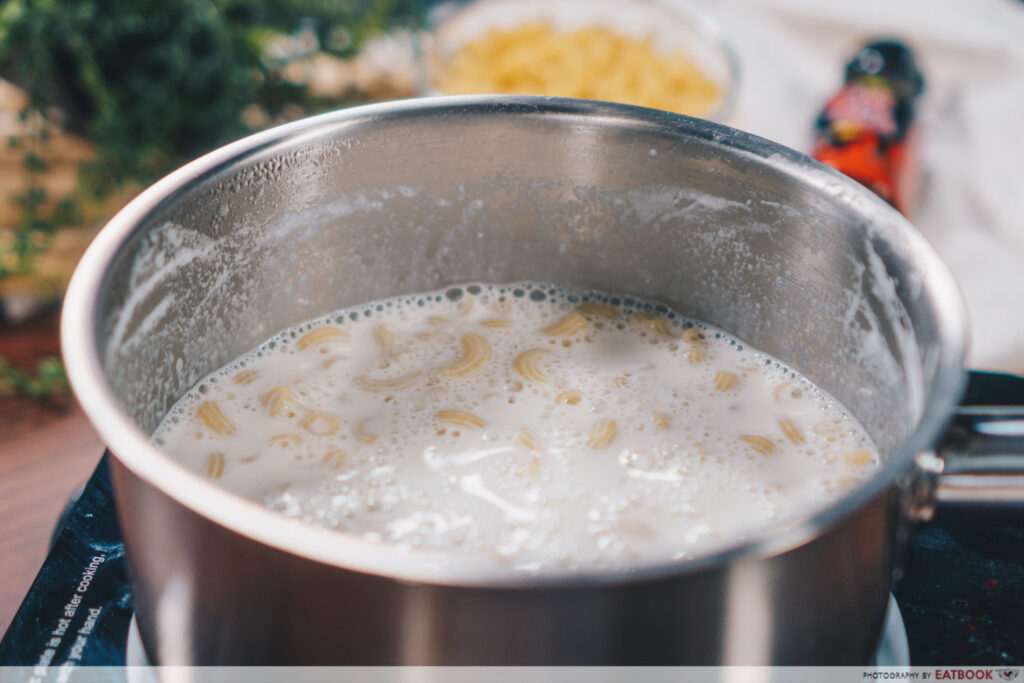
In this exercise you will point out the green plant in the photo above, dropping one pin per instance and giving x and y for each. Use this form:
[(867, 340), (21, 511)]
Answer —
[(151, 84), (49, 379)]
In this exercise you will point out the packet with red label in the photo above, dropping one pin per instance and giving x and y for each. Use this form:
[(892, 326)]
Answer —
[(867, 130)]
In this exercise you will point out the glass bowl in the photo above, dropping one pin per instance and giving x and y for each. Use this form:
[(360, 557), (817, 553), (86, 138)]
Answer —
[(668, 28)]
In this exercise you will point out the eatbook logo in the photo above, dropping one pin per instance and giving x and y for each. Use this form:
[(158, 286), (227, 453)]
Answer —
[(965, 674)]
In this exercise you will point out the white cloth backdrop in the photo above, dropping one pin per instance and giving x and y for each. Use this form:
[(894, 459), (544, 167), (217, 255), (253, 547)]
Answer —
[(791, 55)]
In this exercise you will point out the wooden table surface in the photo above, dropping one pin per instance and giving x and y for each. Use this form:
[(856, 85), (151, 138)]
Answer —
[(46, 452)]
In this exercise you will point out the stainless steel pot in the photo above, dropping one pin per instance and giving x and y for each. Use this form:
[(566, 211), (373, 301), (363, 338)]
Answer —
[(409, 196)]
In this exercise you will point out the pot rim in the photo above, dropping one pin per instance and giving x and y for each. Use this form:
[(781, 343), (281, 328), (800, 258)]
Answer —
[(134, 450)]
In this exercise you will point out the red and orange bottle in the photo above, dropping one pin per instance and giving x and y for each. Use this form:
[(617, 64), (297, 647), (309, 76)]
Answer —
[(868, 129)]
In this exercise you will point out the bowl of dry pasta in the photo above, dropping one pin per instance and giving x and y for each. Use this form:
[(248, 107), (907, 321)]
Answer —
[(661, 54)]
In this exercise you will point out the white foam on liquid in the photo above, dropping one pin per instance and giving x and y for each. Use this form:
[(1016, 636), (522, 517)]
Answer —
[(528, 489)]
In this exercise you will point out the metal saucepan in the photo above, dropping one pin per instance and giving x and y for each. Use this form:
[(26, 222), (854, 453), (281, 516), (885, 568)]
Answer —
[(409, 196)]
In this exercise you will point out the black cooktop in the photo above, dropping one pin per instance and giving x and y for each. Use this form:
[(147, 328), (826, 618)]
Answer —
[(962, 591), (961, 594)]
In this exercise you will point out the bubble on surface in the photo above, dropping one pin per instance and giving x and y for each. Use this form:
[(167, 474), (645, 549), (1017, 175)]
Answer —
[(612, 449)]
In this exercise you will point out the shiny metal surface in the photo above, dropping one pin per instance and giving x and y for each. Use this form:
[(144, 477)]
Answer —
[(410, 196), (983, 457)]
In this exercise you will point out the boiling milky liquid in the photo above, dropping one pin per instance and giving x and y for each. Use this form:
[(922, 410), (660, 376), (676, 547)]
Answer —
[(524, 425)]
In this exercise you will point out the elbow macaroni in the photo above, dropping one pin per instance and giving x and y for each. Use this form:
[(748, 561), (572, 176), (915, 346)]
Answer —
[(591, 62), (475, 352), (520, 402)]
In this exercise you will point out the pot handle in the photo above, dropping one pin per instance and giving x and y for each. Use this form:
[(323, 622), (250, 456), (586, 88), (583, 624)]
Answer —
[(981, 455)]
